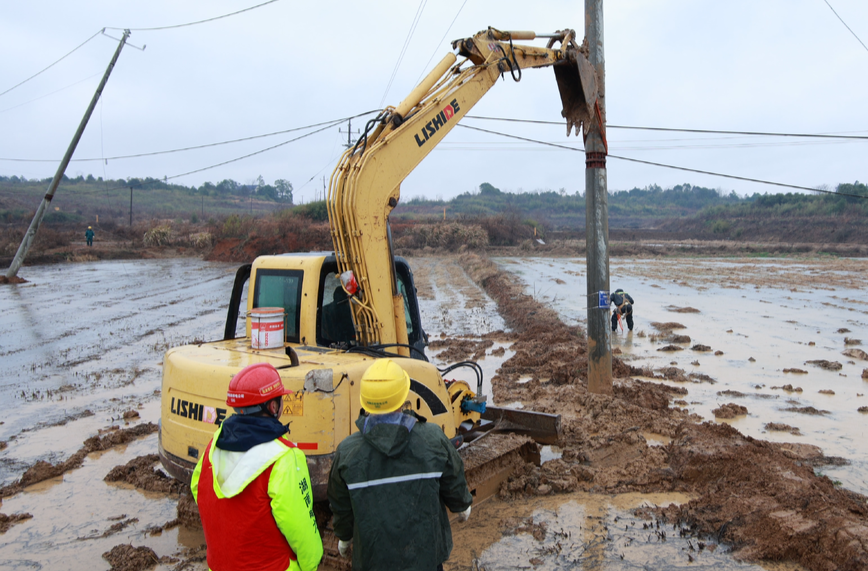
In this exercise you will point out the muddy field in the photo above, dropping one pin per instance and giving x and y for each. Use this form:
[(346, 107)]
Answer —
[(82, 345)]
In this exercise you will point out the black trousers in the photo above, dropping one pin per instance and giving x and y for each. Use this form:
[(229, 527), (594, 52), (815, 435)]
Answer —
[(628, 317)]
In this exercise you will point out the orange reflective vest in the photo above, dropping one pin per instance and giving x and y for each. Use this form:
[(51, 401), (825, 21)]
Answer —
[(257, 508)]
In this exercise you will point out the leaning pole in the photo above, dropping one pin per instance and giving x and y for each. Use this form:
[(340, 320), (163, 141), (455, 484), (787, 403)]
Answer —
[(61, 169), (597, 214)]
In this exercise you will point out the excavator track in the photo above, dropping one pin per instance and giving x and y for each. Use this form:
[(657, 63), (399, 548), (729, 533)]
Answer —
[(488, 462)]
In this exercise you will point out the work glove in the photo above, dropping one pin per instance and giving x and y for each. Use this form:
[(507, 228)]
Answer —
[(465, 515), (344, 548)]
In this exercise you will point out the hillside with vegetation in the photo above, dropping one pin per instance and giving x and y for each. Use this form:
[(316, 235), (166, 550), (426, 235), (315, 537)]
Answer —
[(234, 221), (87, 199)]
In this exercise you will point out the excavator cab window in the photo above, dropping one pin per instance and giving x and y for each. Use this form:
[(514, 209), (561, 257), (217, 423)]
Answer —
[(281, 288)]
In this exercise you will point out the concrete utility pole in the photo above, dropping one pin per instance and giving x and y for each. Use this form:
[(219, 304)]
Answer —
[(46, 200), (350, 142), (597, 215)]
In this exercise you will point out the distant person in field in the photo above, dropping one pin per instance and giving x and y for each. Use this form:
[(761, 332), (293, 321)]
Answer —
[(89, 236), (623, 307)]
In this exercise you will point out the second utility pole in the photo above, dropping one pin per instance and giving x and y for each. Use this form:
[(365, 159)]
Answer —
[(46, 200), (597, 214)]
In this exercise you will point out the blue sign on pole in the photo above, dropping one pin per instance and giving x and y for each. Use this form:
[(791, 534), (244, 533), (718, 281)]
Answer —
[(604, 299)]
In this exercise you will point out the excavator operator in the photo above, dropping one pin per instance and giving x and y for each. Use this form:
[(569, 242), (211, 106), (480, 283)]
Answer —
[(252, 484), (391, 482)]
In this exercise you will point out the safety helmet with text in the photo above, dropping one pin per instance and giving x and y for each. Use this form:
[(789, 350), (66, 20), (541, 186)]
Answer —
[(253, 385), (384, 388)]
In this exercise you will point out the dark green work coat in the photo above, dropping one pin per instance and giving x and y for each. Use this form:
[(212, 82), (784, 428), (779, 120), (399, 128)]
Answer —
[(389, 488)]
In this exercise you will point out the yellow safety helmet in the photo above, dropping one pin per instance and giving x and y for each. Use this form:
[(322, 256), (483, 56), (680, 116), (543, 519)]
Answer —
[(385, 386), (88, 227)]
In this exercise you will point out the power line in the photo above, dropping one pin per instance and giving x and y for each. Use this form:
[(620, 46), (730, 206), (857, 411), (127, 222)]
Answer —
[(668, 166), (687, 144), (440, 43), (669, 129), (195, 147), (53, 64), (197, 22), (50, 94), (410, 33), (845, 25), (330, 125)]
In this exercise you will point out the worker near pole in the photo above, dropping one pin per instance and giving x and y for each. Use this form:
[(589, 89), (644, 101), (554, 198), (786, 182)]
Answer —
[(252, 484), (89, 236), (391, 482), (623, 307)]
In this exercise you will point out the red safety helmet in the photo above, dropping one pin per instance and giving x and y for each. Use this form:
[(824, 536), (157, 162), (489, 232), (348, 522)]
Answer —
[(254, 384)]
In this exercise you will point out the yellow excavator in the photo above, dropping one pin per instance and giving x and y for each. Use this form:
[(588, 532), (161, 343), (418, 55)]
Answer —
[(331, 314)]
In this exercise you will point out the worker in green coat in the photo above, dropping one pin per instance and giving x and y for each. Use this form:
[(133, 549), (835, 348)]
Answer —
[(392, 482), (88, 235)]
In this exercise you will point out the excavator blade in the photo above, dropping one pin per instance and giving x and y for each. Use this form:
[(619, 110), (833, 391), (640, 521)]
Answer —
[(577, 84), (542, 427)]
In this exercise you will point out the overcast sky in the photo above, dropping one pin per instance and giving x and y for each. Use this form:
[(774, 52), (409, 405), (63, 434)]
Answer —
[(786, 66)]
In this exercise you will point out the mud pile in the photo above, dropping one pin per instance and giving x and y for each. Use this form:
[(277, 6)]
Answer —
[(763, 499), (125, 557), (764, 503), (140, 472), (7, 521)]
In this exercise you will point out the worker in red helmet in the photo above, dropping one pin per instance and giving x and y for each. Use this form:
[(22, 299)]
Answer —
[(252, 484)]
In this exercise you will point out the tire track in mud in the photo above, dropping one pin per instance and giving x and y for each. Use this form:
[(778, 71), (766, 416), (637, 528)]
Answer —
[(761, 498)]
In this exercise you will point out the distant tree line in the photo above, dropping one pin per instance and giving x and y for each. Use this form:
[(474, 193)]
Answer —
[(280, 191), (652, 201)]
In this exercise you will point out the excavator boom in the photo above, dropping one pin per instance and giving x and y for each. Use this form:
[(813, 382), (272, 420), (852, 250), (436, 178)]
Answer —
[(366, 185)]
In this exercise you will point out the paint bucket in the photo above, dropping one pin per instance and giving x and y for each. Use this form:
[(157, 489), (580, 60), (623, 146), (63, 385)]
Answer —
[(266, 327)]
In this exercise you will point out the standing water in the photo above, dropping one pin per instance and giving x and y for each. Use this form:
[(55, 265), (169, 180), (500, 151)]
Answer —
[(775, 333)]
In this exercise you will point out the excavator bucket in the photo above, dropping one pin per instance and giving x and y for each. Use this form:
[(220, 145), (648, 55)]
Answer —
[(577, 83)]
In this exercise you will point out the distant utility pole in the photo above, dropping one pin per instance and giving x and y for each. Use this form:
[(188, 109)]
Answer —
[(597, 214), (350, 141), (40, 212)]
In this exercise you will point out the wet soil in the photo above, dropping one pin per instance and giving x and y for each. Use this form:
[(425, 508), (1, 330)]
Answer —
[(745, 489), (645, 438), (142, 474), (128, 558)]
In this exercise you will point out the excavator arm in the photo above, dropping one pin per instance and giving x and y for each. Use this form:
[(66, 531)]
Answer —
[(366, 185)]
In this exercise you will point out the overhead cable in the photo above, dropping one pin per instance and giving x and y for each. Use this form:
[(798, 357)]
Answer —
[(205, 146), (669, 166), (50, 94), (197, 22), (845, 25), (440, 43), (670, 129), (53, 64), (410, 33), (256, 153)]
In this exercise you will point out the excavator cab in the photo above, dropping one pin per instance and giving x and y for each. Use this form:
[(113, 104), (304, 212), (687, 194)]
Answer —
[(332, 323)]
